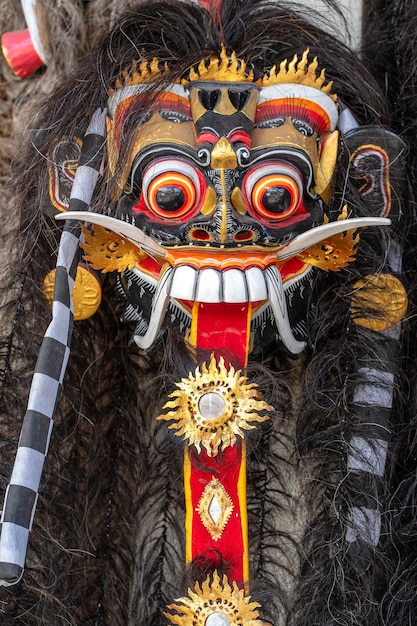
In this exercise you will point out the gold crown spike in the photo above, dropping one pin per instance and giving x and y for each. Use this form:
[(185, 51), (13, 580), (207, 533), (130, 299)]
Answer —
[(222, 68), (145, 72), (299, 72)]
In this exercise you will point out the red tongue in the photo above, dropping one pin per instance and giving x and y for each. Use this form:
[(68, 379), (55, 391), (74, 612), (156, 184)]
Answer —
[(223, 329)]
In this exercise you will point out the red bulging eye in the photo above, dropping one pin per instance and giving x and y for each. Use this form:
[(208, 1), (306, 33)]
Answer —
[(171, 194), (170, 198), (172, 190), (273, 191)]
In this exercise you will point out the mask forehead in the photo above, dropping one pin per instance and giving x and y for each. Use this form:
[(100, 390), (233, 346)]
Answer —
[(223, 107), (159, 117)]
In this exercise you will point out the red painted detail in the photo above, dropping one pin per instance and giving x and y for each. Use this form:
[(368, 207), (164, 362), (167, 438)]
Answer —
[(244, 235), (150, 266), (207, 137), (291, 268), (240, 136), (222, 328), (199, 234), (225, 467)]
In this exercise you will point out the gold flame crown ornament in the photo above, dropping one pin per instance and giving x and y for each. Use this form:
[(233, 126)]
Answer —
[(228, 68), (222, 68), (299, 72), (141, 73)]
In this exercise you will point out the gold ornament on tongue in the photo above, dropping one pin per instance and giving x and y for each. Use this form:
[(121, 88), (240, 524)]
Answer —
[(213, 407), (215, 601)]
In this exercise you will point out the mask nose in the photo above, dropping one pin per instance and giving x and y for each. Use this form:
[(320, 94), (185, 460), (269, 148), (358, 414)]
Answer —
[(224, 160), (223, 156)]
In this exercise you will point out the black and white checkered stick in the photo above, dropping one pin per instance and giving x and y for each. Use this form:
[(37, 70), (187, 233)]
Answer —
[(22, 491)]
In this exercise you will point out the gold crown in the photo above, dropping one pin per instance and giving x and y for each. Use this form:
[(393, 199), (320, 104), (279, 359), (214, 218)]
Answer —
[(227, 68), (300, 72), (224, 68), (140, 74)]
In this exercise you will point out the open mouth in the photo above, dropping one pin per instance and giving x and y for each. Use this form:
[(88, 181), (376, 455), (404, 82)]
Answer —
[(231, 286), (221, 278)]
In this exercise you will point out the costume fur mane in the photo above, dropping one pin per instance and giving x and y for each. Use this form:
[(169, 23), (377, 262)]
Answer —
[(107, 545)]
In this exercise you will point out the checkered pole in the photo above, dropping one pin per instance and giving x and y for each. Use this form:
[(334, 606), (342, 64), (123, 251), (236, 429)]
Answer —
[(22, 491)]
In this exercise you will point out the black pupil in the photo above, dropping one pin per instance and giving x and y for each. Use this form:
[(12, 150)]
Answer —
[(276, 199), (170, 198)]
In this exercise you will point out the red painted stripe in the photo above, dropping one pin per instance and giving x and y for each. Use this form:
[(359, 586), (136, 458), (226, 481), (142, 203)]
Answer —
[(225, 467)]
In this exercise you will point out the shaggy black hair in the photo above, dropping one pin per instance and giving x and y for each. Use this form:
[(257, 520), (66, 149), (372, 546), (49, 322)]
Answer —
[(107, 546)]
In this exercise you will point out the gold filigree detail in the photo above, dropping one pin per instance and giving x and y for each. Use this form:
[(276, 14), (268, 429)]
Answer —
[(107, 251), (378, 302), (86, 293), (300, 72), (332, 254), (215, 508), (213, 407), (335, 253), (215, 598)]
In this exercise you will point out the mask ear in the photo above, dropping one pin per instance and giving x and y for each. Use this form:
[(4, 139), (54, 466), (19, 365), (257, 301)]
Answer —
[(377, 162), (62, 165)]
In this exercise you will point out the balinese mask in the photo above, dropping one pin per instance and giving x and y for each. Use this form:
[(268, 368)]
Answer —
[(221, 173), (220, 216)]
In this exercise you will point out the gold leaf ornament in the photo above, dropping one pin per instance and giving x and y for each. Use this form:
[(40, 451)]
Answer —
[(335, 253), (332, 254), (109, 252), (214, 406), (215, 602), (378, 302), (86, 293)]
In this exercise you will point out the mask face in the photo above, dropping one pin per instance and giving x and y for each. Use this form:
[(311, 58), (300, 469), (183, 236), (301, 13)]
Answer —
[(222, 172)]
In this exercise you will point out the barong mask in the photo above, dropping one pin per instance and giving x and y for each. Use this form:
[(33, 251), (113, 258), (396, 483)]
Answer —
[(228, 178), (220, 212)]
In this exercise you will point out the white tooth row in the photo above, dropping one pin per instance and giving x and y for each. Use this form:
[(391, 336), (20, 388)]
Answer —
[(210, 285)]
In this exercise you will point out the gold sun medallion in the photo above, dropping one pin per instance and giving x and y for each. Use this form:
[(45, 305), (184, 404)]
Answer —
[(213, 407), (215, 602)]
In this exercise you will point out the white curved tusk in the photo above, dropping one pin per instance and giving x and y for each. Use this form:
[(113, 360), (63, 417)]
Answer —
[(124, 229), (279, 308), (315, 235), (159, 308)]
